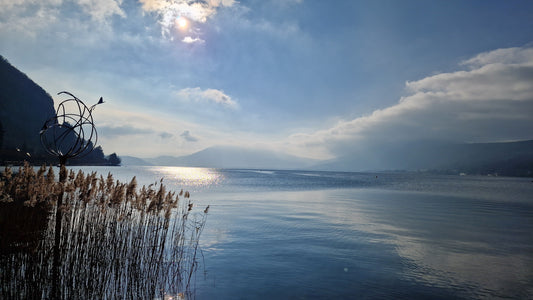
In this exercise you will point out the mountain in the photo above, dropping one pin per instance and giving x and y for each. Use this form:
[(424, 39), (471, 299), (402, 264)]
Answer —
[(235, 157), (134, 161), (509, 158), (24, 108)]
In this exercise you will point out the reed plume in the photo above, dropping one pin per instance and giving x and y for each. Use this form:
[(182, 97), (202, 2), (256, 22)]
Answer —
[(116, 242)]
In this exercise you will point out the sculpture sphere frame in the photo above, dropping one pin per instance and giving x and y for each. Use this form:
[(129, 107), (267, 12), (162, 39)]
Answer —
[(71, 132)]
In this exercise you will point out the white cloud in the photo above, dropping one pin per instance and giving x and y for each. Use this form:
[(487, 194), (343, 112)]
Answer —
[(493, 101), (97, 9), (196, 11), (217, 3), (101, 9), (32, 17), (208, 95), (502, 56), (8, 4), (18, 18), (190, 40)]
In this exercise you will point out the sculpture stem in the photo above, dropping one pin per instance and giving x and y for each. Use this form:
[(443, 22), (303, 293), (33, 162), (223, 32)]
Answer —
[(57, 232)]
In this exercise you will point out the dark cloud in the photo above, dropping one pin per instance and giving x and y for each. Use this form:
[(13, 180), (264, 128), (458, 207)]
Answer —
[(123, 130), (110, 131), (186, 135), (165, 135)]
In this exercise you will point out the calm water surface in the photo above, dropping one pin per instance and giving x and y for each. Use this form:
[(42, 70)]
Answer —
[(335, 235)]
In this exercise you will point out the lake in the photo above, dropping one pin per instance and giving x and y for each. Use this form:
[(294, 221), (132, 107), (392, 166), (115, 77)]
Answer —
[(337, 235)]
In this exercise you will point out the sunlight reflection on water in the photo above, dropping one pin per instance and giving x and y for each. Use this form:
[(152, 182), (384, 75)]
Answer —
[(189, 177)]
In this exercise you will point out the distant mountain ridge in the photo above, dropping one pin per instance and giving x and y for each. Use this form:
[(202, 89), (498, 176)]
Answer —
[(508, 159), (134, 161), (505, 158), (234, 157)]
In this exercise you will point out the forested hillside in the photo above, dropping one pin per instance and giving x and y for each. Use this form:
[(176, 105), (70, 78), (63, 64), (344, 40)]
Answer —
[(24, 108)]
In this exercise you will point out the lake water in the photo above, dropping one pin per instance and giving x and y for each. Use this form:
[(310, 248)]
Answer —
[(337, 235)]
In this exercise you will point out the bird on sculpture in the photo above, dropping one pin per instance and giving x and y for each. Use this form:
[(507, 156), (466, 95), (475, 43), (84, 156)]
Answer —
[(100, 101)]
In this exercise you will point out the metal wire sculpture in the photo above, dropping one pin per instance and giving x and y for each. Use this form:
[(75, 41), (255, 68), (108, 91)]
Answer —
[(71, 132)]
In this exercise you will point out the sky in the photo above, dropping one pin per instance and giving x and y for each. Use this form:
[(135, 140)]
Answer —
[(312, 78)]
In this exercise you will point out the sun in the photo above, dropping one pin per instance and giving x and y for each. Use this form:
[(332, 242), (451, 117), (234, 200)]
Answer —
[(182, 22)]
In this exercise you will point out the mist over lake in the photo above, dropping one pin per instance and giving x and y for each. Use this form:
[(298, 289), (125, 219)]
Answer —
[(274, 234)]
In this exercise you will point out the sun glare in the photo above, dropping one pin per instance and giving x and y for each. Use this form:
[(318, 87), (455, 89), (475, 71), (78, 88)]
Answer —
[(179, 176), (182, 22)]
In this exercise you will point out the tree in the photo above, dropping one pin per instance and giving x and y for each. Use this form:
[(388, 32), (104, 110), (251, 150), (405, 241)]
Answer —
[(114, 160)]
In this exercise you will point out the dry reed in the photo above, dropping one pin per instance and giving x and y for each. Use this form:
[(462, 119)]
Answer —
[(117, 241)]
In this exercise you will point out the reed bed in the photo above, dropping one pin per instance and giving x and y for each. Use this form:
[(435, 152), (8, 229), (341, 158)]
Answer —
[(115, 241)]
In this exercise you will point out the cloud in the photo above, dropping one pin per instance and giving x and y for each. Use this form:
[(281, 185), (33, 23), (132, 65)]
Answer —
[(166, 135), (186, 135), (208, 95), (124, 130), (515, 55), (129, 130), (8, 4), (100, 10), (31, 17), (27, 17), (285, 3), (491, 101), (169, 11), (97, 9), (190, 40), (197, 11)]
